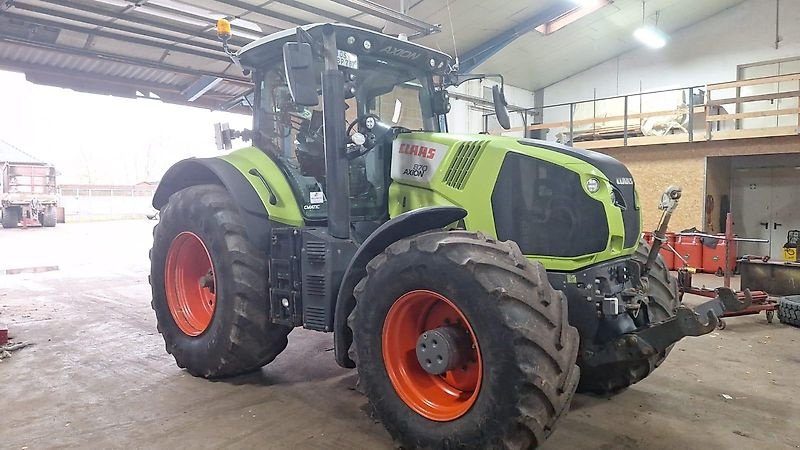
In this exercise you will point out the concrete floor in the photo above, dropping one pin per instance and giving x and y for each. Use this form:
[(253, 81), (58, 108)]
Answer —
[(98, 376)]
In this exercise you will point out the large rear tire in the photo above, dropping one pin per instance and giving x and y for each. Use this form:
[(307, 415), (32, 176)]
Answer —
[(520, 374), (210, 287), (11, 217), (663, 295), (49, 217)]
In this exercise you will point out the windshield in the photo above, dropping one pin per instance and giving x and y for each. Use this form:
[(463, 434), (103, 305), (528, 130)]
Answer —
[(399, 95)]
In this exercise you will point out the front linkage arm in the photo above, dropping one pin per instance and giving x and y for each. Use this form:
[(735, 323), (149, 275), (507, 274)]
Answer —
[(668, 204), (655, 338)]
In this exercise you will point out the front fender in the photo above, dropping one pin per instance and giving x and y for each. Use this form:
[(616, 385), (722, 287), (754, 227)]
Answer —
[(400, 227)]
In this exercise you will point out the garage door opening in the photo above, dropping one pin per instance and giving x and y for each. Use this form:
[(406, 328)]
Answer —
[(762, 192)]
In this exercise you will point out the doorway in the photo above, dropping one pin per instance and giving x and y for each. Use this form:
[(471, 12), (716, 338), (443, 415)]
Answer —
[(765, 202)]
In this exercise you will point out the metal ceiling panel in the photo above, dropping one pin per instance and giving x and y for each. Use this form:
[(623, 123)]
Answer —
[(156, 47), (168, 45)]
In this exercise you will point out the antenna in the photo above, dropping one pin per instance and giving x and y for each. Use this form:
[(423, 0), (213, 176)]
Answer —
[(452, 34)]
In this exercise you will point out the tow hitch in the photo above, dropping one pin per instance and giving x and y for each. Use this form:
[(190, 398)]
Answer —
[(644, 342), (655, 338)]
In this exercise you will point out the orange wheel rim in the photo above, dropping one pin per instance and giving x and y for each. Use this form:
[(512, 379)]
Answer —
[(442, 397), (190, 284)]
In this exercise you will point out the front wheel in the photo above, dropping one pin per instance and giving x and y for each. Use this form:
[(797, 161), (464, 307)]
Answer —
[(210, 287), (461, 342)]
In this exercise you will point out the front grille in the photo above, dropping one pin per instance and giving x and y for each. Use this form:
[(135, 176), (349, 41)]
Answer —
[(466, 154), (543, 208)]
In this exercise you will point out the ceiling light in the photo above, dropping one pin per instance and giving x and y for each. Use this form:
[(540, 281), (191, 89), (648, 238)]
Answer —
[(651, 36)]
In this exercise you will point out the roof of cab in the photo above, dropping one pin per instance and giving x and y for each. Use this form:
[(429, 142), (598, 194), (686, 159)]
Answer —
[(271, 46)]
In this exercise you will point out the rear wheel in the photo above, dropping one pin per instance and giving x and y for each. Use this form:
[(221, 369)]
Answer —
[(210, 287), (48, 218), (664, 299), (461, 342), (11, 217)]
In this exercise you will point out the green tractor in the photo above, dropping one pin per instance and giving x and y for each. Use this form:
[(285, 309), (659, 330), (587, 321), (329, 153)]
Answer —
[(475, 282)]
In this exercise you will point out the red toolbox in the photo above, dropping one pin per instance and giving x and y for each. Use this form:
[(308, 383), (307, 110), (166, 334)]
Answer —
[(714, 255), (666, 253), (691, 249)]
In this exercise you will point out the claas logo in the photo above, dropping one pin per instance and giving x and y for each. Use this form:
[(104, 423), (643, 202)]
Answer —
[(417, 150)]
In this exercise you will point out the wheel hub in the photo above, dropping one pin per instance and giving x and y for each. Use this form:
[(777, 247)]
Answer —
[(190, 284), (423, 326), (443, 349)]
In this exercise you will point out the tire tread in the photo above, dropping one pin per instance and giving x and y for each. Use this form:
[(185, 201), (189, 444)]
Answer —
[(538, 324)]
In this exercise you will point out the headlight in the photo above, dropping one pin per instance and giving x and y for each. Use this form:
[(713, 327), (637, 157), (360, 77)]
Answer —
[(592, 185)]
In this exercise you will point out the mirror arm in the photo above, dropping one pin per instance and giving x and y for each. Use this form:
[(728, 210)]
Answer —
[(459, 79), (305, 36)]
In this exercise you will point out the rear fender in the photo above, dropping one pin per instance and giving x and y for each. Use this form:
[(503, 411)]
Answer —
[(400, 227), (248, 190)]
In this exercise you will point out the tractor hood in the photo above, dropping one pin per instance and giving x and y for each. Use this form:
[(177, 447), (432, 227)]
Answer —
[(570, 206)]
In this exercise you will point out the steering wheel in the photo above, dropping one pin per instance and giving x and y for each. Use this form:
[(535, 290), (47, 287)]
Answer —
[(371, 127)]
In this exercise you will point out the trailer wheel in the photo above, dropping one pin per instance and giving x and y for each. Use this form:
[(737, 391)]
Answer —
[(11, 217), (461, 342), (48, 217), (664, 299), (210, 287)]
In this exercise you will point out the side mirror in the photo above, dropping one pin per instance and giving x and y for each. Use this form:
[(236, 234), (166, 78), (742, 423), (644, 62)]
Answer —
[(441, 102), (299, 61), (500, 107)]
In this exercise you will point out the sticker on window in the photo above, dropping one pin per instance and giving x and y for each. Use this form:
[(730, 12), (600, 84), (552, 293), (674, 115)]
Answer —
[(316, 197)]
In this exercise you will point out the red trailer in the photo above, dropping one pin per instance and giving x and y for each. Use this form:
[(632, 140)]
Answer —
[(28, 194), (757, 301)]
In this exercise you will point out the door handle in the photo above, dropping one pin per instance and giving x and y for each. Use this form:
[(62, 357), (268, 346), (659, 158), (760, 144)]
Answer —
[(775, 225), (766, 225)]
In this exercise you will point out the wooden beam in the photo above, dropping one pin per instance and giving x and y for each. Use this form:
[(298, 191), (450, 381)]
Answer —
[(596, 120), (754, 98), (753, 82), (756, 133), (633, 141), (747, 115)]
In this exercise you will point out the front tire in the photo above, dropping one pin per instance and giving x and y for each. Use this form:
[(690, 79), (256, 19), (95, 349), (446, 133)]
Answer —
[(663, 300), (519, 374), (210, 287)]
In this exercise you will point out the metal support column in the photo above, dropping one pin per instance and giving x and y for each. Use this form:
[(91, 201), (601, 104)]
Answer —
[(691, 115), (625, 123), (337, 186), (571, 124)]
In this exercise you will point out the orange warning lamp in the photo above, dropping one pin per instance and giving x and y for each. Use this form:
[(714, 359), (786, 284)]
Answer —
[(223, 29)]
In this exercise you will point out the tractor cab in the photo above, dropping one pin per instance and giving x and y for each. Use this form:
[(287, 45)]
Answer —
[(385, 86)]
